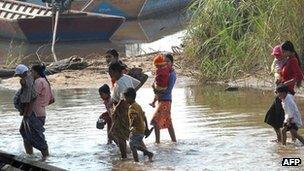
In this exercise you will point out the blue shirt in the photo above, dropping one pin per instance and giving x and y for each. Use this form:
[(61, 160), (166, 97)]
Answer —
[(167, 96)]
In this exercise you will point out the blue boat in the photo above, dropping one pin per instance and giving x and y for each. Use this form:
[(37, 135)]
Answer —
[(130, 9), (34, 23)]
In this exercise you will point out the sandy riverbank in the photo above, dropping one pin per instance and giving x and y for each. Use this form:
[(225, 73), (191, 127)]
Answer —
[(96, 74), (262, 81)]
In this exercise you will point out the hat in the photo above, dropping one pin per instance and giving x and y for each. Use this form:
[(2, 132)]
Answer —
[(159, 60), (21, 69), (105, 89), (277, 51)]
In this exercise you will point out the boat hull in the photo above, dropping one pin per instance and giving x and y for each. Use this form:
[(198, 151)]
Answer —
[(34, 23), (129, 9), (69, 28), (39, 29)]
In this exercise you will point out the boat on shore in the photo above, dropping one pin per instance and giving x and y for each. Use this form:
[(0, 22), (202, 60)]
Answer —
[(11, 162), (130, 9), (34, 23)]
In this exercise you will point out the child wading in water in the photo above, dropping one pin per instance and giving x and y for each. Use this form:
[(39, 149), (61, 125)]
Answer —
[(292, 120), (105, 118), (138, 125), (162, 77)]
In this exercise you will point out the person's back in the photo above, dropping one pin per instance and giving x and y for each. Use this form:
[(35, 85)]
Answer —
[(27, 89), (122, 84), (137, 116), (293, 119), (291, 110), (138, 125), (44, 96)]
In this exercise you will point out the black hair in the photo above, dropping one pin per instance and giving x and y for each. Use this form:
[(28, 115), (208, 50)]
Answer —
[(113, 52), (170, 57), (116, 66), (104, 89), (130, 93), (288, 46), (40, 69), (282, 88)]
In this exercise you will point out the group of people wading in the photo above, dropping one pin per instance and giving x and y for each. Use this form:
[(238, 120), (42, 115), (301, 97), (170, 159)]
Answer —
[(284, 115), (125, 119)]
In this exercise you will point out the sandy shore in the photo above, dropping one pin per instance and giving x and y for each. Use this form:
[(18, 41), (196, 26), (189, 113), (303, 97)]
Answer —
[(262, 81), (96, 74)]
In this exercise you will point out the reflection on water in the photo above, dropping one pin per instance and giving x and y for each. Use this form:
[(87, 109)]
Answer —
[(216, 130), (133, 38)]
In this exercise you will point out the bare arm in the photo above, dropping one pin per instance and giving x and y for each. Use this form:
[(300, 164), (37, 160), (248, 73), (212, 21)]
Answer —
[(291, 81)]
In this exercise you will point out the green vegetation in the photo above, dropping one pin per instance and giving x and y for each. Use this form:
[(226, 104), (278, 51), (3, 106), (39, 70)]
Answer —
[(233, 37)]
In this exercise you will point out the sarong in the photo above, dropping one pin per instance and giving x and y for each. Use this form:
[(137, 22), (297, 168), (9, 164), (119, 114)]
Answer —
[(162, 116), (32, 130), (120, 122)]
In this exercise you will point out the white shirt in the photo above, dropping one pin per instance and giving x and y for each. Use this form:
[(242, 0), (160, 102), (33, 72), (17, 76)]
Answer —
[(291, 110), (122, 85)]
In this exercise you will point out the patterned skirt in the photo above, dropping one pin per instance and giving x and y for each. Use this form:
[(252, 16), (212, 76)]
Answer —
[(162, 116)]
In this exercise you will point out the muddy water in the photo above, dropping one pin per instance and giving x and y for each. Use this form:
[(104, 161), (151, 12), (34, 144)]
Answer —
[(216, 130)]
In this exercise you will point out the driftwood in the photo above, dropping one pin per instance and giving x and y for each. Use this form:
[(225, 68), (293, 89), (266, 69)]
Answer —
[(7, 73), (72, 63)]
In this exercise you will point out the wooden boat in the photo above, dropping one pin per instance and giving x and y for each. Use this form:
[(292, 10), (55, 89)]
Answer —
[(151, 29), (12, 162), (34, 23), (129, 9)]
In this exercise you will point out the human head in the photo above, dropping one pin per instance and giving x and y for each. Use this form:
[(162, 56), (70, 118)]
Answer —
[(277, 52), (159, 60), (169, 58), (104, 92), (130, 95), (115, 71), (288, 49), (38, 70), (282, 90), (21, 71), (112, 56)]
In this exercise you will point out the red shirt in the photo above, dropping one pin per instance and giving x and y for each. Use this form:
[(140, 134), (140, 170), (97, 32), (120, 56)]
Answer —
[(291, 70), (162, 76)]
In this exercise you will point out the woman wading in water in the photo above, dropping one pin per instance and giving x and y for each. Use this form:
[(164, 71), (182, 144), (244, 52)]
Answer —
[(162, 116), (36, 95), (290, 75)]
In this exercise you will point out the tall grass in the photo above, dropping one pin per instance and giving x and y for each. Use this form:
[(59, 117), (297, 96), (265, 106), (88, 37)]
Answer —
[(233, 37), (13, 55)]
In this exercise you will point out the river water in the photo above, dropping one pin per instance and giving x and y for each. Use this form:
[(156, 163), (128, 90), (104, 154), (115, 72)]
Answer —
[(216, 130)]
